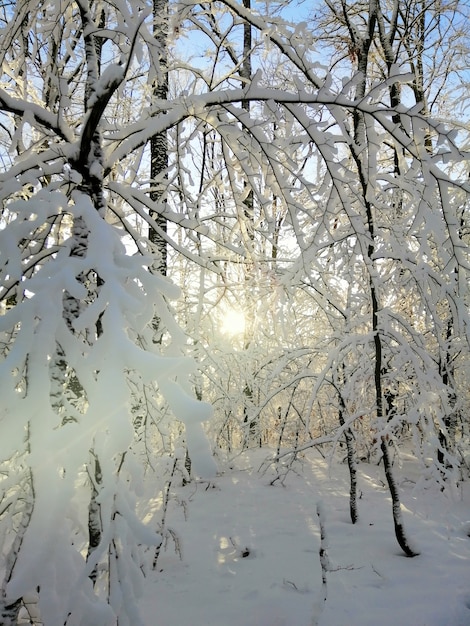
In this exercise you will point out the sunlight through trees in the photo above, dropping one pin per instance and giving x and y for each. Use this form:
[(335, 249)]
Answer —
[(224, 226)]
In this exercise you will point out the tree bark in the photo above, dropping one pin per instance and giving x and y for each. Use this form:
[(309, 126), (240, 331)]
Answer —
[(159, 142), (352, 466), (360, 154)]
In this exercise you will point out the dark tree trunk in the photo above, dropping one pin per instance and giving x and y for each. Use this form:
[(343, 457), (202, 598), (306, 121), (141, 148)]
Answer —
[(362, 47), (159, 142), (352, 466)]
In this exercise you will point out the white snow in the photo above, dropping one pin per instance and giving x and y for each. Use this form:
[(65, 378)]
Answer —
[(110, 78), (250, 552)]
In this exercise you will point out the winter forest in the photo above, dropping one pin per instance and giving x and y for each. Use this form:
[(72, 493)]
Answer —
[(234, 313)]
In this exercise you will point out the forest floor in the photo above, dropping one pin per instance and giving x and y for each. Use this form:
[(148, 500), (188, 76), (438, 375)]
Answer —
[(250, 551)]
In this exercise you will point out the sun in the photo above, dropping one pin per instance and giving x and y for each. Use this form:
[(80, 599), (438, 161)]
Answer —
[(233, 323)]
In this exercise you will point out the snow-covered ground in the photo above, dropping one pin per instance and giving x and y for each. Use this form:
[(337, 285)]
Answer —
[(250, 552)]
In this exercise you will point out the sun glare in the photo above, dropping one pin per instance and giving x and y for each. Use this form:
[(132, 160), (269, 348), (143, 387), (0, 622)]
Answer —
[(233, 323)]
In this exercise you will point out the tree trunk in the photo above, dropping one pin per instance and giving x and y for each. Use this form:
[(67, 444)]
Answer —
[(159, 142), (359, 154), (351, 458), (379, 397)]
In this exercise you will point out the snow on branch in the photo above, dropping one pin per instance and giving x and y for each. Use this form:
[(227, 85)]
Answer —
[(41, 116)]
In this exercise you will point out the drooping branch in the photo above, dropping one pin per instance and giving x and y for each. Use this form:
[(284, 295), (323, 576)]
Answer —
[(40, 115)]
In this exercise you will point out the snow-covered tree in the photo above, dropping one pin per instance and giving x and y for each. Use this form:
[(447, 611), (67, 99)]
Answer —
[(77, 309)]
